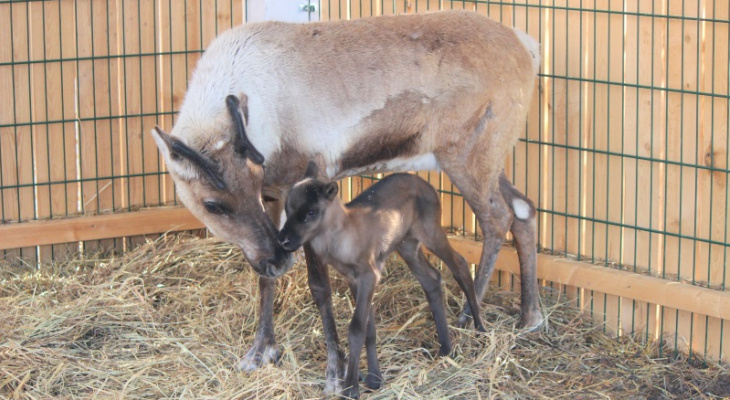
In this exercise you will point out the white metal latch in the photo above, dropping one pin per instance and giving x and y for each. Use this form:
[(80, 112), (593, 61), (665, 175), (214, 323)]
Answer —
[(308, 7)]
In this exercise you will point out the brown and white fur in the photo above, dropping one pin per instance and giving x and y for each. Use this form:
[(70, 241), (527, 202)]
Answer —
[(399, 213), (445, 90)]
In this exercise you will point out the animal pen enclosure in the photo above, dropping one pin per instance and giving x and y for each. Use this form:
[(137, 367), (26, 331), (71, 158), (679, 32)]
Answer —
[(624, 150)]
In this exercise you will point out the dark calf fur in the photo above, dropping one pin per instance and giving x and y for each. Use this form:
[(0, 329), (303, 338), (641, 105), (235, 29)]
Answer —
[(399, 213)]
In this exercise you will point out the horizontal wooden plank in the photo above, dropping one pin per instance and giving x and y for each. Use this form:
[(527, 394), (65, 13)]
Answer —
[(38, 233), (679, 295)]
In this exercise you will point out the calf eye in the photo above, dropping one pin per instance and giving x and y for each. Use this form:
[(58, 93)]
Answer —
[(215, 207), (310, 215)]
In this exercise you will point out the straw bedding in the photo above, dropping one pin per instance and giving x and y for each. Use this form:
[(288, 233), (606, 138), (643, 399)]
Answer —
[(171, 318)]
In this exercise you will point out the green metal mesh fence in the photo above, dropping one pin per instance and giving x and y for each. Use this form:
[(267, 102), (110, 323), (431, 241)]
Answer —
[(624, 151)]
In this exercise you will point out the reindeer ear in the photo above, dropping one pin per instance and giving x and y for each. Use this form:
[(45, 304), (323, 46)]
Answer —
[(312, 170), (240, 140), (162, 140), (177, 154), (330, 190), (174, 160)]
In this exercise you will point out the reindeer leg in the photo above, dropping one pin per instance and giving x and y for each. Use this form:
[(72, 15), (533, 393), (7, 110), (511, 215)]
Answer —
[(495, 217), (524, 232), (319, 286), (483, 187), (365, 288), (264, 349)]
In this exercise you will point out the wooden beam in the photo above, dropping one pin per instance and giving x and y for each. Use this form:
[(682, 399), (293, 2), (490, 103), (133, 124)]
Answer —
[(77, 229), (679, 295)]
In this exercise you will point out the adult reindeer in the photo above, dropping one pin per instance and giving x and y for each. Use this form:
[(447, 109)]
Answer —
[(446, 90)]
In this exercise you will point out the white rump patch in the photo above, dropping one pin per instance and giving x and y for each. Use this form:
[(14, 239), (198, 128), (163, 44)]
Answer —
[(521, 208), (532, 46), (423, 162)]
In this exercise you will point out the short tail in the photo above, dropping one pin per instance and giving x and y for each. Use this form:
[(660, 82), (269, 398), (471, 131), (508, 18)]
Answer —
[(523, 207), (532, 47)]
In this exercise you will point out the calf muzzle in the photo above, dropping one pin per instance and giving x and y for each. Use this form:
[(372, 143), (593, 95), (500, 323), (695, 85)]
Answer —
[(287, 242)]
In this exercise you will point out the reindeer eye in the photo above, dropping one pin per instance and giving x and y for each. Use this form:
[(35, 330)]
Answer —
[(215, 207)]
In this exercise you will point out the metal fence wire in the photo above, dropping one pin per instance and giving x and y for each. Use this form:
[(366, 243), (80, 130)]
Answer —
[(624, 150)]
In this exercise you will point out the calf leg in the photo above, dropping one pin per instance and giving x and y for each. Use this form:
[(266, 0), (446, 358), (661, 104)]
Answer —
[(439, 245), (430, 280), (357, 331), (319, 286), (374, 378)]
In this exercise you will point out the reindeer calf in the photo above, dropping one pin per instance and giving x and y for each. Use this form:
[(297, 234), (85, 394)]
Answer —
[(399, 213)]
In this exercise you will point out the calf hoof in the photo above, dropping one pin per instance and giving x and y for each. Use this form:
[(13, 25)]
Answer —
[(352, 392), (374, 381), (463, 321), (444, 351), (531, 321), (258, 356)]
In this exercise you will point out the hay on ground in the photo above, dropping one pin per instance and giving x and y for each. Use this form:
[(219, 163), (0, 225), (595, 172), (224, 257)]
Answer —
[(171, 318)]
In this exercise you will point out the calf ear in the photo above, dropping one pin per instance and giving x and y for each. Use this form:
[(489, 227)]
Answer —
[(240, 139), (185, 161), (330, 190), (312, 170)]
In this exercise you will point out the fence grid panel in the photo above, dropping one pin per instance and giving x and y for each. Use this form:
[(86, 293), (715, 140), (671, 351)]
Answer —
[(624, 150)]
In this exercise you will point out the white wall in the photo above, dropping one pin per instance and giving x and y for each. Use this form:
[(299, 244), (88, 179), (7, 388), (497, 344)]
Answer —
[(283, 10)]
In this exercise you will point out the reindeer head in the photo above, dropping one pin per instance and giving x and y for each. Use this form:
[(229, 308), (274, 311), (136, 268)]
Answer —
[(221, 185), (306, 206)]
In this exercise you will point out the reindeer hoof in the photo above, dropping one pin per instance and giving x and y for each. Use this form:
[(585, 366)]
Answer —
[(334, 374), (258, 356), (332, 386), (373, 381), (352, 392), (531, 321)]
